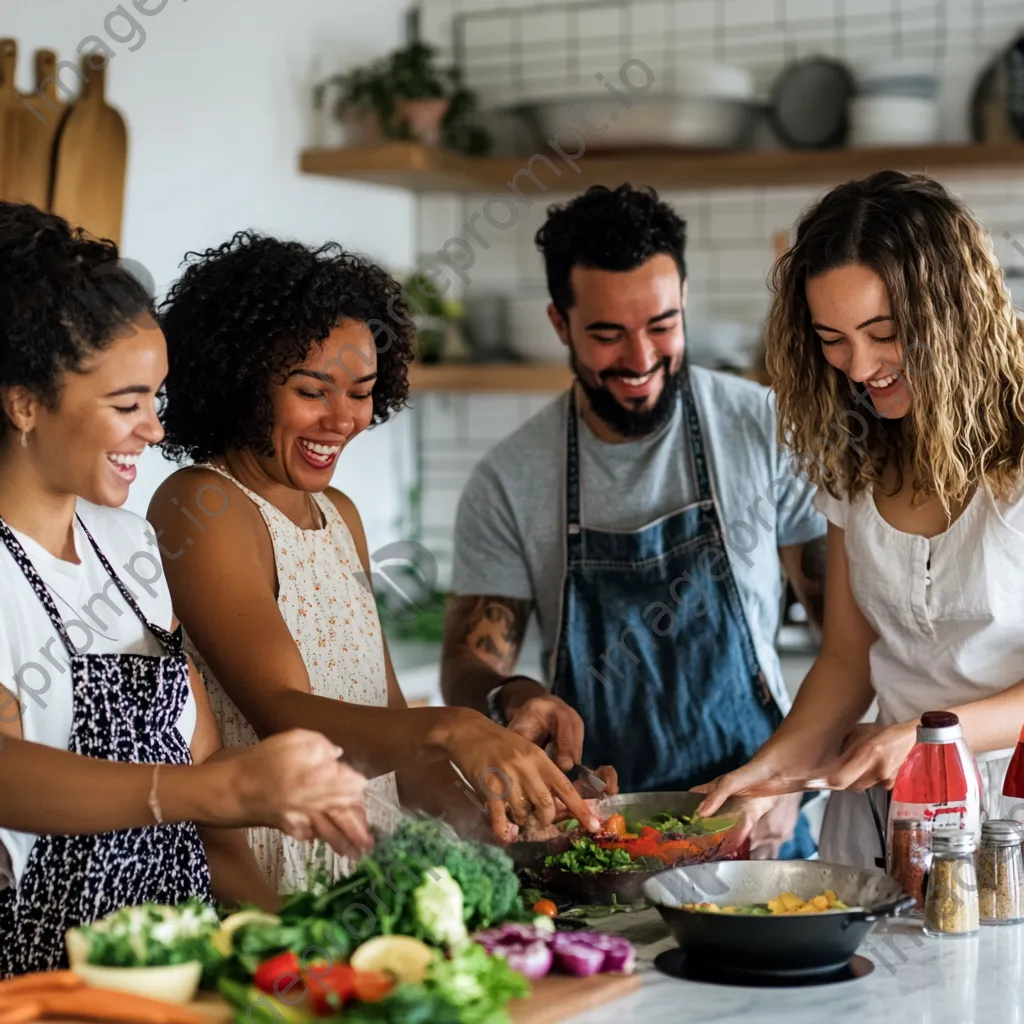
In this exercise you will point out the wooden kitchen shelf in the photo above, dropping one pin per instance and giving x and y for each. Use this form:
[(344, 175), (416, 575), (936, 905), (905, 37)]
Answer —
[(503, 377), (411, 166), (488, 377)]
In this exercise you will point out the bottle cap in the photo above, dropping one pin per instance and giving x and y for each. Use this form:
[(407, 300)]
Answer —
[(952, 840), (900, 824), (939, 727), (1002, 832)]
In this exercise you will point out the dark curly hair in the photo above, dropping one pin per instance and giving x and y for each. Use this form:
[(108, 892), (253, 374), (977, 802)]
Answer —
[(608, 229), (244, 314), (63, 296)]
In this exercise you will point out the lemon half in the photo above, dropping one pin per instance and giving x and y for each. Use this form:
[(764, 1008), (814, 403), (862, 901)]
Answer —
[(400, 955)]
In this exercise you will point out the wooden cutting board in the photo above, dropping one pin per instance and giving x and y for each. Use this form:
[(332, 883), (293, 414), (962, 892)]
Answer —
[(35, 121), (552, 999), (91, 159), (9, 101)]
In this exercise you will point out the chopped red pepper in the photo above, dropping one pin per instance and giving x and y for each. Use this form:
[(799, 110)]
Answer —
[(649, 832), (616, 823)]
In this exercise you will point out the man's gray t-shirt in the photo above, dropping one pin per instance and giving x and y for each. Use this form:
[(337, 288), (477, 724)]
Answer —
[(510, 526)]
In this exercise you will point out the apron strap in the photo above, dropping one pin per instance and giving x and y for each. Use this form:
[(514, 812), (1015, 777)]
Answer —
[(35, 581), (700, 462), (574, 541), (173, 641)]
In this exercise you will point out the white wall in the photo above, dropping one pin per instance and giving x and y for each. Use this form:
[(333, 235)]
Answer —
[(217, 100)]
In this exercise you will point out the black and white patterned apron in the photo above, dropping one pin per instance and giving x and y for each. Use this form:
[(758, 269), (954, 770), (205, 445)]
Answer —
[(126, 708)]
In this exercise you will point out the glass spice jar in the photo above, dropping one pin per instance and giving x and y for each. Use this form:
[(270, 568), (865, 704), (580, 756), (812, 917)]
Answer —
[(1001, 873), (951, 903), (909, 856)]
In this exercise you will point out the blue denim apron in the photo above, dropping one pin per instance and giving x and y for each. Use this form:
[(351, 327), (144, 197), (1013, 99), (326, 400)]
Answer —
[(654, 649)]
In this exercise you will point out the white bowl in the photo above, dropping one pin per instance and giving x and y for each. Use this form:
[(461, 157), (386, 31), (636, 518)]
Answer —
[(893, 121), (533, 337), (650, 121), (177, 983)]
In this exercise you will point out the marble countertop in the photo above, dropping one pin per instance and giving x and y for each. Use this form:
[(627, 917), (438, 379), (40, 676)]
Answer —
[(917, 979)]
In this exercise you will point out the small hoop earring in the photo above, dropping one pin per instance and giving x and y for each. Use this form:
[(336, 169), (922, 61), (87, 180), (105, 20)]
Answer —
[(24, 439)]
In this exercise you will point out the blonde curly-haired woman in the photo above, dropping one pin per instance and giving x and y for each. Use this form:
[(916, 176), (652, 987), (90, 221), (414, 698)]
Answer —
[(898, 362)]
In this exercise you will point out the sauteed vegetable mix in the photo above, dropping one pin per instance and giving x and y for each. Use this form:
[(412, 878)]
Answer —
[(659, 841)]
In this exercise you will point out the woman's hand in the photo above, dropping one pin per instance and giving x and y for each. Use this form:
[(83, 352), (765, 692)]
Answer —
[(514, 776), (295, 782), (872, 756), (767, 820)]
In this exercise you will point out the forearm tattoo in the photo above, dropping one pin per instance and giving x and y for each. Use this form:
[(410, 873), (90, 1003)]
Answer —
[(492, 628)]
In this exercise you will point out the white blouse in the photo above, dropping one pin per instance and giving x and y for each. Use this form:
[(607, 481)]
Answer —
[(948, 610), (33, 661), (949, 615)]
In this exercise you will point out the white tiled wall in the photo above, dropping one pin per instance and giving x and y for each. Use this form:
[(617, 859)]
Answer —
[(729, 251)]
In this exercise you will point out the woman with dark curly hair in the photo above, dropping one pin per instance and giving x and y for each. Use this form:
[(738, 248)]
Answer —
[(279, 356), (100, 710), (898, 360)]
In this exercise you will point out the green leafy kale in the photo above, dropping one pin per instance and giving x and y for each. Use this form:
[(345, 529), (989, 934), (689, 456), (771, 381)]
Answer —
[(378, 898), (587, 858)]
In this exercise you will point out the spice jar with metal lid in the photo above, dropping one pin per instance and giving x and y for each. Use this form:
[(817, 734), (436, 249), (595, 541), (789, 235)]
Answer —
[(951, 903), (909, 855), (1001, 873)]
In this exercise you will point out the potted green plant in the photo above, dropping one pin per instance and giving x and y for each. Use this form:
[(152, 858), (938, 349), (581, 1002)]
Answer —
[(404, 95)]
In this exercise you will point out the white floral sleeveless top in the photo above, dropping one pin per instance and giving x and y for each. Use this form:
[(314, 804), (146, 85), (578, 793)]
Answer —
[(332, 617)]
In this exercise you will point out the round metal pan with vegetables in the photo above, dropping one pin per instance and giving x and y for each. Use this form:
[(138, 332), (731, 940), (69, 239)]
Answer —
[(773, 915), (642, 834)]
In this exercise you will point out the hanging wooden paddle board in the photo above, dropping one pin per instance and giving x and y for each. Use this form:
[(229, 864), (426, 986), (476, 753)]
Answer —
[(36, 119), (91, 159)]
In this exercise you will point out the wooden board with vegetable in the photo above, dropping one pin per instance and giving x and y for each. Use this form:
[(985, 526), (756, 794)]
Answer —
[(428, 928)]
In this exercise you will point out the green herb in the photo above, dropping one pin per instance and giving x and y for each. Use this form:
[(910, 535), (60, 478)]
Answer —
[(587, 858), (684, 825)]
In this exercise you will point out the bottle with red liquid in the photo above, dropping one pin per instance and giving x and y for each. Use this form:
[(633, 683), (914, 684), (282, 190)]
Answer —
[(1013, 784), (938, 786)]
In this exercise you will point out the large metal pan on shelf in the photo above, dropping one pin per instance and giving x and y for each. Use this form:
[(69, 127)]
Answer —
[(792, 942), (624, 887)]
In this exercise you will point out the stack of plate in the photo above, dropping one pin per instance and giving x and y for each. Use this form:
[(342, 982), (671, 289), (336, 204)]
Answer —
[(896, 105)]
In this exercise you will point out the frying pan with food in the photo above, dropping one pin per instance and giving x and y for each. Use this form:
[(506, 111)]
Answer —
[(791, 942)]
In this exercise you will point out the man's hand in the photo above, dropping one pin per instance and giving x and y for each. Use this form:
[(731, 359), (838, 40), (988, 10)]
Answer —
[(546, 719), (775, 828)]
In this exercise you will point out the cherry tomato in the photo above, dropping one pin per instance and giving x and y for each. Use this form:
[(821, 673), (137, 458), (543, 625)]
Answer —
[(545, 907), (279, 975), (330, 987), (372, 986)]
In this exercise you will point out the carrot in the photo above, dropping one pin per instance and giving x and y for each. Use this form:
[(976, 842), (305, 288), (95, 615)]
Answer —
[(21, 1012), (109, 1005), (40, 981)]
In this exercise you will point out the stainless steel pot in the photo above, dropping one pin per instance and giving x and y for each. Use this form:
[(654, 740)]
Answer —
[(785, 942)]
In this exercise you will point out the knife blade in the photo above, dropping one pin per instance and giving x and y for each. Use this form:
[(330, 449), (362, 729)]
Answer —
[(788, 784), (589, 776)]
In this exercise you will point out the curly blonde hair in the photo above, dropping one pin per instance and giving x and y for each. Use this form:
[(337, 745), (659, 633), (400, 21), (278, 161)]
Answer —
[(963, 346)]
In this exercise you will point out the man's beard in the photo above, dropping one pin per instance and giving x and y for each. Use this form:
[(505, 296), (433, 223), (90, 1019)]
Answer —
[(635, 422)]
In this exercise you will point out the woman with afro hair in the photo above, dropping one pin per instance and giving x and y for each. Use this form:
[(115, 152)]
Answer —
[(279, 356), (107, 736)]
